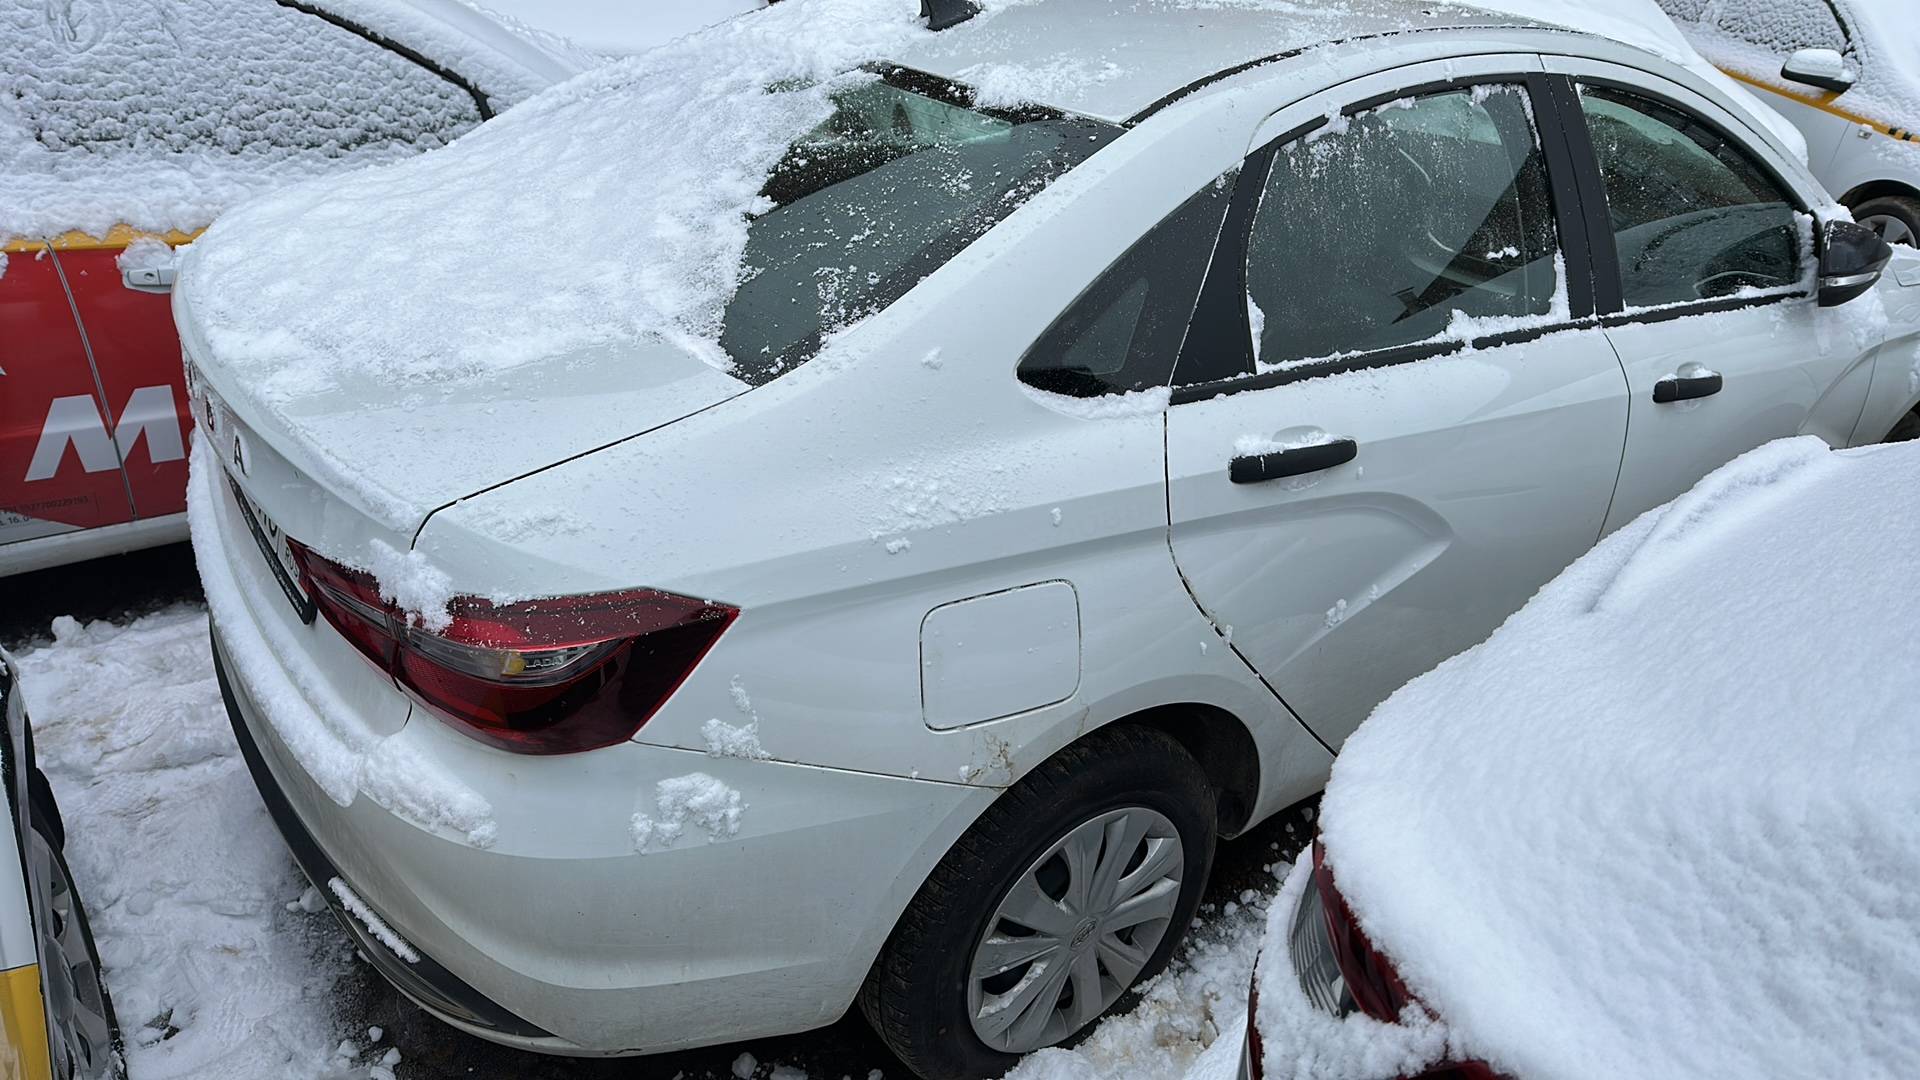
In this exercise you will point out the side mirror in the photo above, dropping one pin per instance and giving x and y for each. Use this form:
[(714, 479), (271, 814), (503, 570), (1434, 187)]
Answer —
[(1850, 262), (1823, 68)]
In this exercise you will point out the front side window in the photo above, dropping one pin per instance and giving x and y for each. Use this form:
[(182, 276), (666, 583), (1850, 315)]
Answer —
[(1426, 218), (1693, 216), (206, 79), (1781, 27), (902, 177)]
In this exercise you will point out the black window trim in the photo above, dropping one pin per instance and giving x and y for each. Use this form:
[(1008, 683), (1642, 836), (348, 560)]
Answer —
[(1228, 333), (1613, 311), (480, 99)]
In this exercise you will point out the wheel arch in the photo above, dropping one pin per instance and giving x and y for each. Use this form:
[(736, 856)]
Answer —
[(1223, 745), (1879, 189)]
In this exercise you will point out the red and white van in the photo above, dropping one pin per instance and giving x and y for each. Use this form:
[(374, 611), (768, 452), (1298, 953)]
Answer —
[(130, 124)]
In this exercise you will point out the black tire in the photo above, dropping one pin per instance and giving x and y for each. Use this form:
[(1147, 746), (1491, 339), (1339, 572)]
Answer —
[(1893, 208), (916, 996), (71, 965)]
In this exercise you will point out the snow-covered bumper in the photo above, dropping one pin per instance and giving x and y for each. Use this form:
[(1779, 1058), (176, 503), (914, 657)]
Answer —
[(548, 919)]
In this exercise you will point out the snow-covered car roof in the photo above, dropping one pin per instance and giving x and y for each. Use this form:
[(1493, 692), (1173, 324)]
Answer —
[(1666, 820), (160, 114), (1087, 57), (618, 27)]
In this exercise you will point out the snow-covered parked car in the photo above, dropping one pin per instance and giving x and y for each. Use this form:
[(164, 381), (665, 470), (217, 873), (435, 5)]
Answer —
[(1662, 823), (56, 1018), (1847, 73), (127, 126), (833, 509)]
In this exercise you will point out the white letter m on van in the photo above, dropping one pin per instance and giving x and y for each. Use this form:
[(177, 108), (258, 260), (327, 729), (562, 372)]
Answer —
[(76, 420)]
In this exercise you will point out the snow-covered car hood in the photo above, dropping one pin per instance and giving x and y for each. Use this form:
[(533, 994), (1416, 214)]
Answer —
[(1666, 820)]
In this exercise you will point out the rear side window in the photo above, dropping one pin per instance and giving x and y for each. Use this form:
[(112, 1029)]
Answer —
[(216, 77), (902, 177), (1124, 332), (1781, 27), (1425, 218), (1694, 217)]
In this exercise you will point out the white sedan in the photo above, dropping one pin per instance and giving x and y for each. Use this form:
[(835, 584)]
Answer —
[(836, 510), (1662, 823)]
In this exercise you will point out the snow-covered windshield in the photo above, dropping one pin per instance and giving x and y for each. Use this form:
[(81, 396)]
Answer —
[(901, 177)]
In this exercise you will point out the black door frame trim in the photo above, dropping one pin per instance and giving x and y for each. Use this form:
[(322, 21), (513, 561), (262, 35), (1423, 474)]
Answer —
[(1608, 279)]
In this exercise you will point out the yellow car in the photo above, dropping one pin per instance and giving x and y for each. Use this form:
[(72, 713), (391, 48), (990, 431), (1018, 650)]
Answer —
[(56, 1020)]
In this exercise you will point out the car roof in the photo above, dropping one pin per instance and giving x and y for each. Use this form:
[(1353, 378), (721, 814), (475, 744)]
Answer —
[(1114, 61)]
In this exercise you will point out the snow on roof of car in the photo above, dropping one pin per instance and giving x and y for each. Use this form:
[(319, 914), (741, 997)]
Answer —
[(1109, 61), (1666, 820), (619, 27), (159, 115)]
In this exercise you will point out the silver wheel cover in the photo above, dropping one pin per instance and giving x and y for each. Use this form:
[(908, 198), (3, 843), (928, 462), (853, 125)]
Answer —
[(82, 1037), (1075, 930), (1889, 228)]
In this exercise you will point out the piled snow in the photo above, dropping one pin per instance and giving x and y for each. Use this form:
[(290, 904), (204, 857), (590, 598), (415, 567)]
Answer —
[(1303, 1043), (214, 974), (1665, 821), (618, 26), (1191, 1019), (660, 159), (87, 142), (696, 799)]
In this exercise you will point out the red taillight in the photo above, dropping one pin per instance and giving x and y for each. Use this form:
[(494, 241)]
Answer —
[(550, 676), (1371, 980)]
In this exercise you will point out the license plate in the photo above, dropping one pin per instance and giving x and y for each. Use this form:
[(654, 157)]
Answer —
[(227, 436)]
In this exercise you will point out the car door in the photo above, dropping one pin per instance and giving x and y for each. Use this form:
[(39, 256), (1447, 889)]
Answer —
[(1706, 288), (1391, 426), (257, 86), (58, 469), (122, 295)]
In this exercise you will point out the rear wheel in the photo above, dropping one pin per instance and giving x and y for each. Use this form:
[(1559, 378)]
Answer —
[(1078, 883), (1893, 218), (85, 1037)]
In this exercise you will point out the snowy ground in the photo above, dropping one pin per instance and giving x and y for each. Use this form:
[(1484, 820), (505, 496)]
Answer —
[(220, 971)]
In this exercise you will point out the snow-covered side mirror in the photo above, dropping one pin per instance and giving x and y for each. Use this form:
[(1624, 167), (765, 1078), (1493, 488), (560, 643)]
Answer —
[(1850, 262), (1823, 68)]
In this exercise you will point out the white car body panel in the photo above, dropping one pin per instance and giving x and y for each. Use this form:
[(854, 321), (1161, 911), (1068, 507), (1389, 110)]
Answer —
[(1791, 367), (1479, 477), (840, 507)]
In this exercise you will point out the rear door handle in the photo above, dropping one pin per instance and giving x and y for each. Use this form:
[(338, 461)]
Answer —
[(1686, 387), (1293, 461)]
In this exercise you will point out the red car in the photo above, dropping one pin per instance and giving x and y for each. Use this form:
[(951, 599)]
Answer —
[(159, 115)]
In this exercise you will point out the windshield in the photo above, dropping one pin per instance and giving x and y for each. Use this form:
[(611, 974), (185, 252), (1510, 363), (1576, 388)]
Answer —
[(902, 177)]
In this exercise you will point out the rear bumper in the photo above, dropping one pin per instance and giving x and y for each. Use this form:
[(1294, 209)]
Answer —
[(430, 985), (559, 938)]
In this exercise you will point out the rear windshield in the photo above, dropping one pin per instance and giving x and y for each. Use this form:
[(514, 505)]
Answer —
[(903, 176)]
